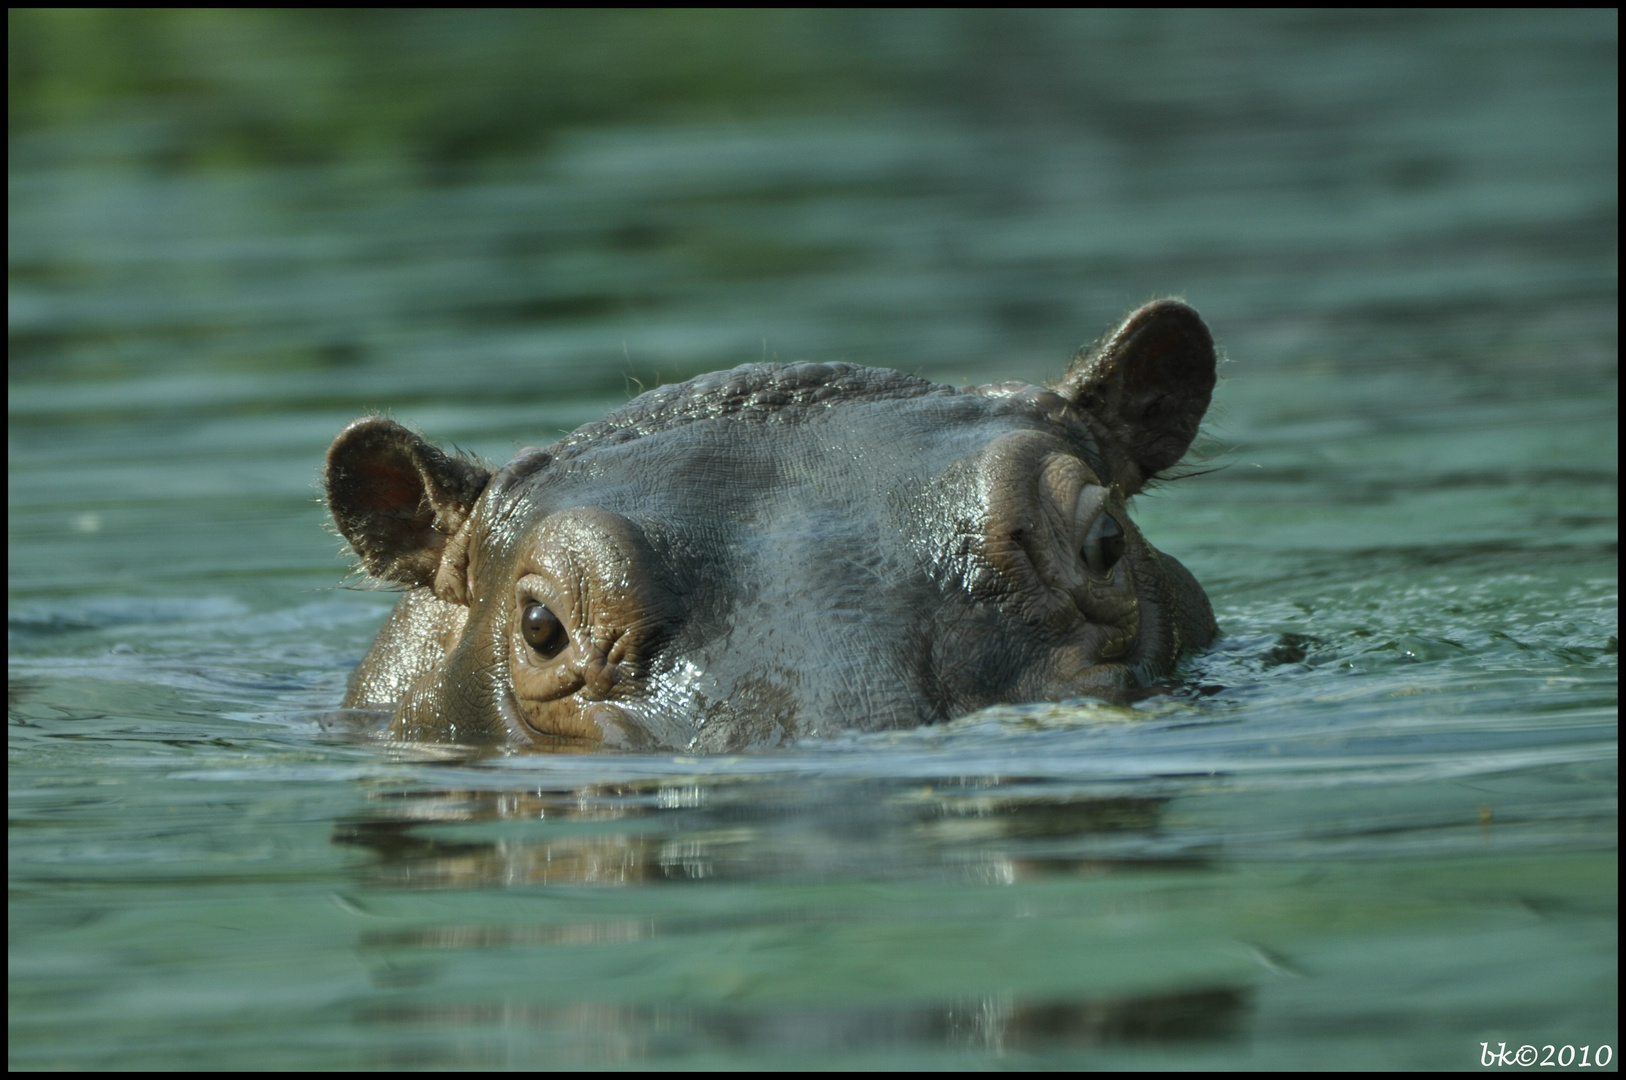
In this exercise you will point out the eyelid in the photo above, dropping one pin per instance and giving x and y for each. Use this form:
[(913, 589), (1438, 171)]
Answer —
[(535, 588)]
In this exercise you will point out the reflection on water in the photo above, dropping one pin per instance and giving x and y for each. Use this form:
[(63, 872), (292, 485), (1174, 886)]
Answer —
[(611, 1033), (667, 833), (697, 832)]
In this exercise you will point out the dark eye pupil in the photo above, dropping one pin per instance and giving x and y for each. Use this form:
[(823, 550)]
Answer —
[(543, 631), (1104, 545)]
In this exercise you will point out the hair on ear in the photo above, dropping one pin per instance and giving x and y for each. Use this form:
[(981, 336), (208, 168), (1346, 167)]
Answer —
[(1149, 381), (398, 499)]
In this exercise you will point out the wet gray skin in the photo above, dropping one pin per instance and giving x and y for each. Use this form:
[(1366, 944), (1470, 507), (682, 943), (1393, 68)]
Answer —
[(779, 551)]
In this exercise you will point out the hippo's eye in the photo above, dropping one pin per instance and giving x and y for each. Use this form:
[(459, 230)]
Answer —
[(1104, 545), (543, 631)]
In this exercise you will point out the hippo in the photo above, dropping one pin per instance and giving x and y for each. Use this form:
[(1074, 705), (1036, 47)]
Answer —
[(783, 551)]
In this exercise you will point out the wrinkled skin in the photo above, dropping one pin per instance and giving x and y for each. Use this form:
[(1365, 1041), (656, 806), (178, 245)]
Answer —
[(783, 550)]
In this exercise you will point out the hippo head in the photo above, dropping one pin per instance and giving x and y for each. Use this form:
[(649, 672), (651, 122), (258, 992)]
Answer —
[(783, 550)]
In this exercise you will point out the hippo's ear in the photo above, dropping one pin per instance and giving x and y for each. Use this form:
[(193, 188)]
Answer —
[(400, 500), (1149, 380)]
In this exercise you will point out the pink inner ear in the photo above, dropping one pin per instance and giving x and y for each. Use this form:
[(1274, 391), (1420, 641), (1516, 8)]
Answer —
[(393, 491)]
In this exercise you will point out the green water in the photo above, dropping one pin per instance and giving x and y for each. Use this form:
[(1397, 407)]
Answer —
[(1375, 825)]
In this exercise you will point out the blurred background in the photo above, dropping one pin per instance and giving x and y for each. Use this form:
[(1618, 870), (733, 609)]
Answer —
[(1373, 826), (230, 231), (556, 200)]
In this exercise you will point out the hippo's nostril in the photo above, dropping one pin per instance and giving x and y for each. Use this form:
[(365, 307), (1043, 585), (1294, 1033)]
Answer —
[(1103, 545)]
